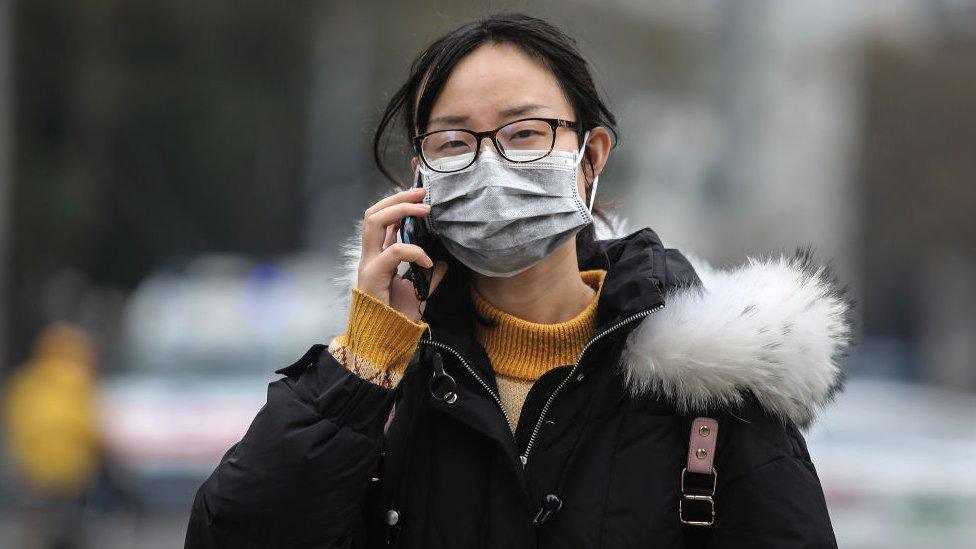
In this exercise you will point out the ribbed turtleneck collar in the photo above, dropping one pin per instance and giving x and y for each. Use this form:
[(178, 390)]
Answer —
[(525, 350)]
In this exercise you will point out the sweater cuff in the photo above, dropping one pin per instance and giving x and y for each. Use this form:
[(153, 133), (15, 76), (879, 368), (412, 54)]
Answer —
[(379, 335)]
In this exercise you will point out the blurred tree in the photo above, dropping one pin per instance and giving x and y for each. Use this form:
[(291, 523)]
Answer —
[(149, 130)]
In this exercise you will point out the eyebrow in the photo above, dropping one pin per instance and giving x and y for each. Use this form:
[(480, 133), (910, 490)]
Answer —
[(506, 113), (522, 109)]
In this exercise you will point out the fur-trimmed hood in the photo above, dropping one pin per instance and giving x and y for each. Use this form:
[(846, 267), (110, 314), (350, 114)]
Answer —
[(775, 325)]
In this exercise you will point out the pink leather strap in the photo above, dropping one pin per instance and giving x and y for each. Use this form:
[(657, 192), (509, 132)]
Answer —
[(701, 444)]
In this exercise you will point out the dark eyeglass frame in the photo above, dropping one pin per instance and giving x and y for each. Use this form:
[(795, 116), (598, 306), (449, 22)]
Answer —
[(554, 123)]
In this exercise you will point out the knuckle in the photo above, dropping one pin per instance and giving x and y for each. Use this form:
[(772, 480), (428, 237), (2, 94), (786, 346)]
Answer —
[(390, 250), (400, 248), (408, 250)]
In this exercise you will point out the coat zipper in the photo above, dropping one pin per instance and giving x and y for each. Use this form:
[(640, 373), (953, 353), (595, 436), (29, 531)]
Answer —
[(524, 458), (471, 371)]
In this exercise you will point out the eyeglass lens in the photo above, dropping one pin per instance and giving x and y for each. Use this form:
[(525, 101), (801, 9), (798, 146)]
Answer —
[(531, 139)]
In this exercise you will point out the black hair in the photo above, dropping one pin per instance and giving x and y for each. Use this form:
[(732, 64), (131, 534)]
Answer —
[(537, 38)]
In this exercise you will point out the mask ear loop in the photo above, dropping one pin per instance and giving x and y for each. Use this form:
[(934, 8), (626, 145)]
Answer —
[(582, 152), (596, 181), (579, 161)]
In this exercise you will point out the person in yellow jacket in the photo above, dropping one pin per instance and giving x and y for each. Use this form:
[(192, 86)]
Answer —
[(52, 436)]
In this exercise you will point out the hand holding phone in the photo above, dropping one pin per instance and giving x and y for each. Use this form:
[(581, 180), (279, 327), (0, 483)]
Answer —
[(382, 254), (414, 231)]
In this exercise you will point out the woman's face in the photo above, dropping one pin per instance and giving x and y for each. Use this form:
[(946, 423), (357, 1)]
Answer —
[(498, 83)]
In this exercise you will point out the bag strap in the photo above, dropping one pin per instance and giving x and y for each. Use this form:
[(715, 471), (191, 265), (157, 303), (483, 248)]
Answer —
[(699, 478)]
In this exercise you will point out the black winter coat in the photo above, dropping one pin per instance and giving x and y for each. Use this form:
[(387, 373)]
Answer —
[(599, 449)]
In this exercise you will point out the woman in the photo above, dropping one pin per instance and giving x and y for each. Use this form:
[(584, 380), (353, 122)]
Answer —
[(553, 390)]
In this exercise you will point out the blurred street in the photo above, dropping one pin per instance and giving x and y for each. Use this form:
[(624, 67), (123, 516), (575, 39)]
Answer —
[(115, 531)]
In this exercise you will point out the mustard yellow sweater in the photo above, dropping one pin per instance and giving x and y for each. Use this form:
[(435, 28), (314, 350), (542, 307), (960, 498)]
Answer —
[(379, 342)]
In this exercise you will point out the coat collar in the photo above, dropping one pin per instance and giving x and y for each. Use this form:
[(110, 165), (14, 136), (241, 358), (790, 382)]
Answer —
[(775, 326), (637, 276)]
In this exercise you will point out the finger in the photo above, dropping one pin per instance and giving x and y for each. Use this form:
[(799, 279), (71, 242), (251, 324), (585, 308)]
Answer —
[(391, 235), (410, 195), (440, 269), (389, 259), (374, 224)]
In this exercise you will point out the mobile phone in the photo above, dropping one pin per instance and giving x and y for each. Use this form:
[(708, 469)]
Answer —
[(413, 230)]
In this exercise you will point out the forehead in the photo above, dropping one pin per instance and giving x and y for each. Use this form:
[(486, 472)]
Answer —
[(491, 81)]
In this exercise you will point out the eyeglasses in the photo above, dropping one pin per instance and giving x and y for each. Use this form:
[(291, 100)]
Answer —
[(525, 140)]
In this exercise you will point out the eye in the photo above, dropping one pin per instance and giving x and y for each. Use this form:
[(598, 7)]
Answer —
[(525, 134), (452, 145)]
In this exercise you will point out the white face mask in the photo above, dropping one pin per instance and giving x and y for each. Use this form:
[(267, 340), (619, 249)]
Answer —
[(500, 218)]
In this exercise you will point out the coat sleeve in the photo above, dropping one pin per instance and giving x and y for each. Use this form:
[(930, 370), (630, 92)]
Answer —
[(777, 502), (301, 473)]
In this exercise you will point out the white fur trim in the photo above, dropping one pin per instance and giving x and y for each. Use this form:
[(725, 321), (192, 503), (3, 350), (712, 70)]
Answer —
[(350, 253), (775, 325), (617, 228)]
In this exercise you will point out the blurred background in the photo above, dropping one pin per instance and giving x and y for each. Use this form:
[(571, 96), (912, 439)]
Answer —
[(176, 179)]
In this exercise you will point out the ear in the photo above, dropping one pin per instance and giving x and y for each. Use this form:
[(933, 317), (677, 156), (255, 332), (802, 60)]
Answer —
[(598, 150), (414, 162)]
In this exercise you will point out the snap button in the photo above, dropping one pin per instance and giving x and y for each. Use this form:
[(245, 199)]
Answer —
[(701, 453), (392, 517), (703, 430)]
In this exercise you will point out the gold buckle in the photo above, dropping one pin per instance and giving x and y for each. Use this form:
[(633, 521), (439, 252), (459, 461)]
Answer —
[(697, 497)]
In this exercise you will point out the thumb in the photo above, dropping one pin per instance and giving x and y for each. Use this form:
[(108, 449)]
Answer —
[(440, 269)]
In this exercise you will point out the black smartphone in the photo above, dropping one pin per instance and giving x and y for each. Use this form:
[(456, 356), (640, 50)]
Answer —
[(413, 230)]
